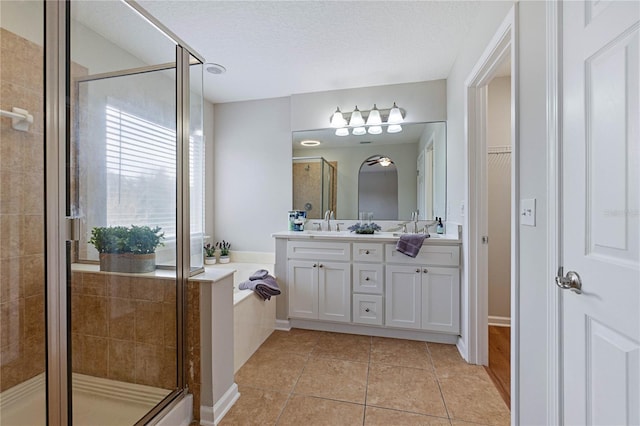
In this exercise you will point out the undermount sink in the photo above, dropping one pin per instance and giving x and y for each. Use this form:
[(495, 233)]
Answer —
[(328, 233), (398, 234)]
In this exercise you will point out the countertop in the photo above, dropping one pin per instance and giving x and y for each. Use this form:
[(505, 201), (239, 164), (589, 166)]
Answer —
[(378, 236)]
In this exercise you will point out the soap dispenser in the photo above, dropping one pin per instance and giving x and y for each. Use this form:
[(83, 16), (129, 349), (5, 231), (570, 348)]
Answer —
[(440, 226)]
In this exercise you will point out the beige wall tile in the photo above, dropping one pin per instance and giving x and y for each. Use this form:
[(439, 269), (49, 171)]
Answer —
[(33, 282), (147, 289), (34, 318), (169, 322), (10, 279), (118, 286), (89, 315), (32, 231), (149, 323), (11, 192), (122, 317), (11, 365), (122, 360)]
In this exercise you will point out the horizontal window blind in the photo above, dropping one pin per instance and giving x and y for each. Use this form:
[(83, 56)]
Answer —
[(141, 172)]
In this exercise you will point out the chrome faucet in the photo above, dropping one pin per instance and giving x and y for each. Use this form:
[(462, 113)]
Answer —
[(328, 215), (414, 219)]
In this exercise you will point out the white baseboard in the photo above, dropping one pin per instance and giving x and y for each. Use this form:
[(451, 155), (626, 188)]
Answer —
[(499, 321), (462, 349), (283, 325), (211, 416)]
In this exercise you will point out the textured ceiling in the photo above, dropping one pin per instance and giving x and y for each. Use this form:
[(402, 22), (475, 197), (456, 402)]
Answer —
[(278, 48)]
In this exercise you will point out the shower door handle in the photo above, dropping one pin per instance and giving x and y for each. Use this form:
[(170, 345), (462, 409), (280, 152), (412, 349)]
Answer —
[(72, 225)]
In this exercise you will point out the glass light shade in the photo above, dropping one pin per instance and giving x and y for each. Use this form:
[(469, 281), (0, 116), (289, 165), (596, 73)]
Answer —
[(384, 161), (356, 118), (374, 117), (359, 131), (375, 130), (343, 131), (394, 128), (395, 115), (337, 119)]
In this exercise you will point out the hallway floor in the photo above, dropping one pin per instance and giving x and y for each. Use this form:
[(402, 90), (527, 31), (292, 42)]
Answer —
[(305, 377)]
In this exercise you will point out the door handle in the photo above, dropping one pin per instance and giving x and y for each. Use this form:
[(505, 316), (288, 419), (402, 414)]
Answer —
[(571, 281)]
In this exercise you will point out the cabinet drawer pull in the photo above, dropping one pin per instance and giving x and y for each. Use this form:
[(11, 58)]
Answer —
[(366, 279), (321, 265), (315, 266), (366, 252), (425, 270), (366, 310), (418, 270)]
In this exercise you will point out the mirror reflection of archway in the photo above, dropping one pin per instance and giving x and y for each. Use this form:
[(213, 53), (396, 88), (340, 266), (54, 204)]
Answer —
[(378, 187)]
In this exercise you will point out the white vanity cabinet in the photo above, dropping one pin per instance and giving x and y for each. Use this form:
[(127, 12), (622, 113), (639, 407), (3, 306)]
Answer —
[(319, 280), (368, 283), (423, 292), (362, 285)]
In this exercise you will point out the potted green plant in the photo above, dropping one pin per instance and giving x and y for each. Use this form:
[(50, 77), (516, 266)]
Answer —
[(127, 249), (224, 251), (209, 254)]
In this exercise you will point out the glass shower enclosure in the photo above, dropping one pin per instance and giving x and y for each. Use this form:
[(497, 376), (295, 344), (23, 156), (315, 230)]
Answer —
[(314, 186), (110, 167)]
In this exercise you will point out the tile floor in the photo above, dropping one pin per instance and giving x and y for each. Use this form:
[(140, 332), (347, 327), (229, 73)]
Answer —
[(305, 377)]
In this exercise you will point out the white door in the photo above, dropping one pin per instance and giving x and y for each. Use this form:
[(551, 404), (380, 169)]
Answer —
[(601, 326), (334, 291), (302, 285), (403, 296)]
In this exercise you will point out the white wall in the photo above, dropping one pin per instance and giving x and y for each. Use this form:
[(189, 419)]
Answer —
[(499, 194), (209, 170), (533, 240), (24, 18), (253, 172)]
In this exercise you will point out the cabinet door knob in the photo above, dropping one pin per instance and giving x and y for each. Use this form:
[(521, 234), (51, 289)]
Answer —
[(425, 270), (314, 265), (418, 270), (366, 310), (321, 265), (366, 279), (366, 252)]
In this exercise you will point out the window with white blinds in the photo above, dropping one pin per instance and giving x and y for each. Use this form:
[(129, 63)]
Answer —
[(141, 172)]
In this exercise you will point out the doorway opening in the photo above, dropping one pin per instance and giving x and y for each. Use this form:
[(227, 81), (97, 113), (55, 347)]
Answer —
[(487, 144)]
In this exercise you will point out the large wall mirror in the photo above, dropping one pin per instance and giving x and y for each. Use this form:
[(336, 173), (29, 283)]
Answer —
[(330, 175)]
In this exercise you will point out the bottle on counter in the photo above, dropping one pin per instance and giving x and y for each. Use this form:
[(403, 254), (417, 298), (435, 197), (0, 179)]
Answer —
[(439, 226)]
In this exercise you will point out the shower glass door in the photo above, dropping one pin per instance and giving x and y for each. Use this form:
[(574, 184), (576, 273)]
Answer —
[(22, 216), (123, 175)]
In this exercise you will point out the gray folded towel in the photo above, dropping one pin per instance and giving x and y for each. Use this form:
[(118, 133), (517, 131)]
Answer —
[(259, 274), (265, 287), (410, 244)]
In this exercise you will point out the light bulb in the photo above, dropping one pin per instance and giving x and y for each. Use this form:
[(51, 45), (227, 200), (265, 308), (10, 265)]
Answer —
[(359, 131), (394, 128), (384, 161), (337, 119), (374, 117), (356, 118), (375, 130), (395, 115), (343, 131)]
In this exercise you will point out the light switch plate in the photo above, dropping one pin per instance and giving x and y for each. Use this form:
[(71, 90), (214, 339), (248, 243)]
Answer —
[(528, 212)]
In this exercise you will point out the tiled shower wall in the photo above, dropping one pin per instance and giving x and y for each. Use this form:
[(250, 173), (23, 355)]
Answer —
[(22, 323)]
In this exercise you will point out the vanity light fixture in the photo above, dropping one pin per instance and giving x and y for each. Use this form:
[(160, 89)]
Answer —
[(375, 130), (310, 143), (395, 115), (337, 119), (373, 119), (359, 131), (356, 119), (394, 128)]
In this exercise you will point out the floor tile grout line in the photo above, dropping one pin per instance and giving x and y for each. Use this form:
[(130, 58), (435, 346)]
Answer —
[(294, 385), (366, 387), (435, 375)]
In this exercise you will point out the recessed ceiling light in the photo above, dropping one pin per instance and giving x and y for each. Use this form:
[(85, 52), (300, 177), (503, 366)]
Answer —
[(215, 68), (310, 143)]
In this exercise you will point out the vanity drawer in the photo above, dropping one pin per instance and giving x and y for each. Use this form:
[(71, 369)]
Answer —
[(367, 309), (318, 250), (368, 278), (441, 255), (368, 252)]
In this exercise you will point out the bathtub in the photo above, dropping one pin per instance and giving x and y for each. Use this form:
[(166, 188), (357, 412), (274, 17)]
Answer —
[(253, 318)]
